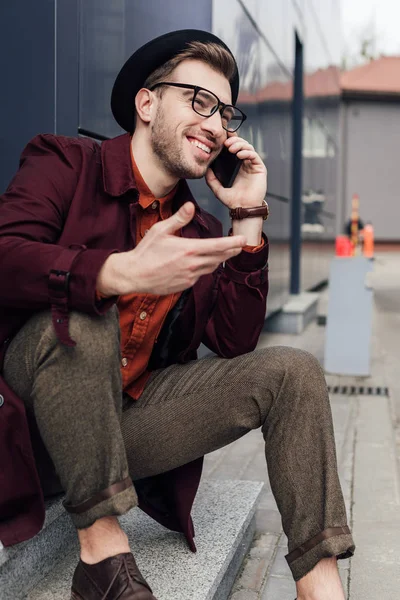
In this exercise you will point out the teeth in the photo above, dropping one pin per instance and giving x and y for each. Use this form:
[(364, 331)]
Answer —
[(200, 145)]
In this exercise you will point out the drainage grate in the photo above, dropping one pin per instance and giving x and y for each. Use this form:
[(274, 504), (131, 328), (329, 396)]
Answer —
[(358, 390)]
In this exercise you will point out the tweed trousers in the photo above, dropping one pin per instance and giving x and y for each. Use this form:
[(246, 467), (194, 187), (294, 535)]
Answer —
[(88, 436)]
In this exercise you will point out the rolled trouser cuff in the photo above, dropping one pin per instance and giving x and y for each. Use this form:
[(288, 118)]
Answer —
[(115, 500), (334, 541)]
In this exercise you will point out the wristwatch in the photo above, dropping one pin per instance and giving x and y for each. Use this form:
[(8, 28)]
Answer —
[(241, 212)]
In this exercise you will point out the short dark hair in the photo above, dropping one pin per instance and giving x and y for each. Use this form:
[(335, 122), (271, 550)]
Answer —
[(214, 55)]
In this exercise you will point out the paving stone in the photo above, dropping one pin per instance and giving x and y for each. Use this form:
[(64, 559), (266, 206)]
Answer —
[(244, 595), (283, 541), (344, 564), (344, 576), (268, 520), (375, 568), (263, 545), (280, 567), (279, 588), (257, 466), (254, 573), (267, 499), (238, 456)]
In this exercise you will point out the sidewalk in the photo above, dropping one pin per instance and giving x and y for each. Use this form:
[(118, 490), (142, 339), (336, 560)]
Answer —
[(365, 432)]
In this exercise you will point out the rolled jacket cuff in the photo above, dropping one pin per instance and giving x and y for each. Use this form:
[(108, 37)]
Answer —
[(247, 262), (334, 541)]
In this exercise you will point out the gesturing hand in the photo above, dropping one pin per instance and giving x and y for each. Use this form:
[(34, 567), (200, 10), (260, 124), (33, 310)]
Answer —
[(163, 263)]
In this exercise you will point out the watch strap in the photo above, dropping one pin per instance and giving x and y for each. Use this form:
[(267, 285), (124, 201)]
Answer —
[(242, 212)]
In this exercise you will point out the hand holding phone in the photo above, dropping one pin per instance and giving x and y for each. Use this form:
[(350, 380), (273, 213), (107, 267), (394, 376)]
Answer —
[(226, 167), (238, 176)]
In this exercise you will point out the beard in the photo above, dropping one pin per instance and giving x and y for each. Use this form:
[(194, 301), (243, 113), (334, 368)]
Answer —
[(171, 154)]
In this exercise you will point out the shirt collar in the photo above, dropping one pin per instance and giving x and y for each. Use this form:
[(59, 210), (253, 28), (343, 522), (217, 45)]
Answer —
[(146, 196), (118, 176)]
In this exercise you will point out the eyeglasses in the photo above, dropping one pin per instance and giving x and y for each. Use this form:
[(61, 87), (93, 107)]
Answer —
[(206, 104)]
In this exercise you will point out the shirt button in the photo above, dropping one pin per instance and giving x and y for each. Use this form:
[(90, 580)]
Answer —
[(1, 400), (143, 315), (124, 362), (154, 205)]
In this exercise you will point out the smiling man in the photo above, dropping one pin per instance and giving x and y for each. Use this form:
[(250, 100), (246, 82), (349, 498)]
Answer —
[(115, 276)]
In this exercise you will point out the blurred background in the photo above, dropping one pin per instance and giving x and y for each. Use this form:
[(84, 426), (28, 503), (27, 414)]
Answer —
[(320, 82)]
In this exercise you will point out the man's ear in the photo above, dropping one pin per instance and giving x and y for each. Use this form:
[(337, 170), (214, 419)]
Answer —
[(144, 103)]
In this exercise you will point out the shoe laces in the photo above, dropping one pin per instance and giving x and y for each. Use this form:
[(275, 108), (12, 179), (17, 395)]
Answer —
[(112, 581), (131, 576)]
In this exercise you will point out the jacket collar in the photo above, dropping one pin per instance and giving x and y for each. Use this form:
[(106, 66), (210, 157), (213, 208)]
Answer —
[(118, 176), (117, 167)]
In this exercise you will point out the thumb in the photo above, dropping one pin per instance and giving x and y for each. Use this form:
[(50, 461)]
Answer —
[(213, 182), (181, 218)]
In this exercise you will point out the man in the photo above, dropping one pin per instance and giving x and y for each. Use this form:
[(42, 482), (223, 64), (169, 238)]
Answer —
[(85, 231)]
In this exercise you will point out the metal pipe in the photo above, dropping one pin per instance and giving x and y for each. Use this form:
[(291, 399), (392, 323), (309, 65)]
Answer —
[(297, 167)]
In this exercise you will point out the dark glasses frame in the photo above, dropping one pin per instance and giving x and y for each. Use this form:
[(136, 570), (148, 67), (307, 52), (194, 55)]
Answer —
[(221, 106)]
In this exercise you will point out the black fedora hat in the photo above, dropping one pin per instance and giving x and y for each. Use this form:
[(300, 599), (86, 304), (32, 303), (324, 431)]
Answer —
[(147, 59)]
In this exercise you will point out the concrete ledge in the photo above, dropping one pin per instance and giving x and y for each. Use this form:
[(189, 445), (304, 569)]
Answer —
[(25, 564), (294, 317), (224, 522)]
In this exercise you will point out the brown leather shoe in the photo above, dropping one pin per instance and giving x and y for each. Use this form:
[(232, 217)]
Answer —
[(112, 578)]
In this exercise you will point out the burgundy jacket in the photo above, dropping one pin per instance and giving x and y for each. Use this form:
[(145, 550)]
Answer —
[(71, 204)]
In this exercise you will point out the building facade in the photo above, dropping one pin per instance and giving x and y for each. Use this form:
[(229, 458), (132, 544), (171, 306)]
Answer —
[(59, 59), (371, 145)]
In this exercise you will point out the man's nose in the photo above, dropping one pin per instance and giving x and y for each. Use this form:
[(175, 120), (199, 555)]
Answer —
[(213, 125)]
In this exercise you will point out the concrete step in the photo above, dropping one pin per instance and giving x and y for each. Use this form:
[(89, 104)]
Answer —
[(25, 564), (224, 519), (296, 314)]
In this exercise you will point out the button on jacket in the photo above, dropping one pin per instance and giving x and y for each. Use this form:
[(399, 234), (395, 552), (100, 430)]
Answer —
[(71, 204)]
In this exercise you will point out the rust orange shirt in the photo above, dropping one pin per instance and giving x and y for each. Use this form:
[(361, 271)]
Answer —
[(142, 315)]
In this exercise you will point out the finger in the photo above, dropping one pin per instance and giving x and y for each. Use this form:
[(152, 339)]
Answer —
[(218, 257), (210, 267), (247, 154), (240, 145), (251, 156), (178, 220), (212, 262), (213, 182), (207, 247)]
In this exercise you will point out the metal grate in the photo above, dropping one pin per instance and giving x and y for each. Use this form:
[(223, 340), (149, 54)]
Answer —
[(358, 390)]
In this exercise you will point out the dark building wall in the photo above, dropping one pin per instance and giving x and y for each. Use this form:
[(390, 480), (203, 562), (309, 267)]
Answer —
[(59, 58), (109, 33), (39, 75), (27, 48)]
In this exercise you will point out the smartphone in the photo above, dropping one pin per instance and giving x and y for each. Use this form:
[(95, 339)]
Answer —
[(226, 166)]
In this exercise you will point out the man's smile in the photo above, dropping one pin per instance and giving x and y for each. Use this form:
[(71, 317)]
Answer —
[(204, 148)]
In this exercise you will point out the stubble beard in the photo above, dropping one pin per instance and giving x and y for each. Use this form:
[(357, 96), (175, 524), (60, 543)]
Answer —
[(170, 153)]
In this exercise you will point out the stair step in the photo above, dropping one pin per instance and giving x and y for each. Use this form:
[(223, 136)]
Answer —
[(224, 519), (25, 564)]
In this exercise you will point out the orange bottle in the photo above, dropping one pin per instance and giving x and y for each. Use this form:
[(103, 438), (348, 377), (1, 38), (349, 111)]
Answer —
[(368, 235)]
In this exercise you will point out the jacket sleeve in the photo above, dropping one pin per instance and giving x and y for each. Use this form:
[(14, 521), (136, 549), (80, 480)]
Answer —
[(35, 272), (240, 302)]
